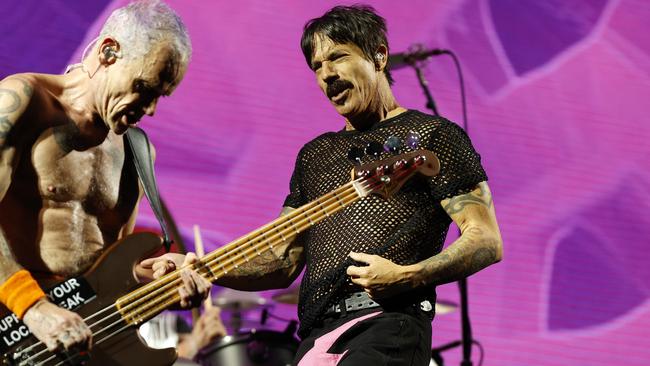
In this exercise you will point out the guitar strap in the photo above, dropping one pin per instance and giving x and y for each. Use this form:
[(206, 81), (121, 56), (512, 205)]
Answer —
[(138, 142)]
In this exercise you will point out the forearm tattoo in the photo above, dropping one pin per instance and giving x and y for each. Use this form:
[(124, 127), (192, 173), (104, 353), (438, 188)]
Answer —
[(472, 252), (264, 264)]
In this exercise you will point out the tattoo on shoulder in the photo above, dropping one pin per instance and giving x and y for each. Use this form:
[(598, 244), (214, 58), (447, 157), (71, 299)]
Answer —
[(5, 127), (27, 87), (9, 101), (480, 196)]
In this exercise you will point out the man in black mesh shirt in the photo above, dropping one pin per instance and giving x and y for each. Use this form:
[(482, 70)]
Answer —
[(371, 270), (381, 258)]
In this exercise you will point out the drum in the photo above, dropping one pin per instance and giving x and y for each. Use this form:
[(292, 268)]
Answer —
[(255, 348), (185, 362)]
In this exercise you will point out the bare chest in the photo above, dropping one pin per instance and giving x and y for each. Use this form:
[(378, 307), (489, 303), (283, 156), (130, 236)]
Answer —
[(91, 177)]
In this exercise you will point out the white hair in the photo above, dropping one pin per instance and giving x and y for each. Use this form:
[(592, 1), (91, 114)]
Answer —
[(141, 25)]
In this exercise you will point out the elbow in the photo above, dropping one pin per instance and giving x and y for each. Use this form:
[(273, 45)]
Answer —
[(489, 241)]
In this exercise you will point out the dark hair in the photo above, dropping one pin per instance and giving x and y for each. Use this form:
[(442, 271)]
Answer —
[(356, 24)]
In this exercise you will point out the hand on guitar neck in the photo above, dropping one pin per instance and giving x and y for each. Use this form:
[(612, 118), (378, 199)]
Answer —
[(195, 287), (61, 329)]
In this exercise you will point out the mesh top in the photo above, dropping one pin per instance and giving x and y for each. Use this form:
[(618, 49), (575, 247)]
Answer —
[(407, 228)]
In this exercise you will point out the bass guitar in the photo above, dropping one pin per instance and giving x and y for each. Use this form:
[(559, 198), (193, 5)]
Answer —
[(113, 304)]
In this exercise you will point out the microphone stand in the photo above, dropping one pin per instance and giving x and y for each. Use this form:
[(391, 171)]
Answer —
[(466, 326), (425, 88)]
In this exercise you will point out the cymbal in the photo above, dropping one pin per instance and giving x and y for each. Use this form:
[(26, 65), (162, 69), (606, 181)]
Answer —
[(233, 300), (291, 296), (445, 307), (287, 296)]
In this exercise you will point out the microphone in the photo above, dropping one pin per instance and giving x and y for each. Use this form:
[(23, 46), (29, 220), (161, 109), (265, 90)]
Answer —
[(414, 54)]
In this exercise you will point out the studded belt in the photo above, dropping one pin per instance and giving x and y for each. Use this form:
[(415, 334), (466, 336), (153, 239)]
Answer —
[(353, 302)]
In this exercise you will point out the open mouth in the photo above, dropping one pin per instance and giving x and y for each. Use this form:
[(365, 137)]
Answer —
[(340, 97), (130, 118), (338, 90)]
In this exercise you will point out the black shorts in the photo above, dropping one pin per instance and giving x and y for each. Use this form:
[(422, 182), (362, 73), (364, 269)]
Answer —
[(379, 338)]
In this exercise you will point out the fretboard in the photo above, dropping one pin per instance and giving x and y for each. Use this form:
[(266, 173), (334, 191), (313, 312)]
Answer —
[(147, 301)]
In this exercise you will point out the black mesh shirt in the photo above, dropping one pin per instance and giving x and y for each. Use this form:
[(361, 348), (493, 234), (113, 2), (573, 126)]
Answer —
[(407, 228)]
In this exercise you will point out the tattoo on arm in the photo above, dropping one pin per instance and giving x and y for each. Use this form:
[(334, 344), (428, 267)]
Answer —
[(264, 264), (265, 271), (5, 127), (27, 88), (479, 196), (10, 104), (469, 254), (9, 101)]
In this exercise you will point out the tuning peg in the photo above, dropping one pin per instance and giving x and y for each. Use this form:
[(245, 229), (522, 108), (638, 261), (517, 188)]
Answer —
[(355, 154), (400, 164), (374, 149), (419, 160), (413, 140), (393, 144), (363, 173), (382, 169)]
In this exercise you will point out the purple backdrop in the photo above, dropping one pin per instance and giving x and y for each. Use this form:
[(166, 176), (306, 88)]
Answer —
[(557, 92)]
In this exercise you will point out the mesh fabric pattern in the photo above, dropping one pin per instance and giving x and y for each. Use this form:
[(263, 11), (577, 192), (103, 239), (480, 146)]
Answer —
[(407, 228)]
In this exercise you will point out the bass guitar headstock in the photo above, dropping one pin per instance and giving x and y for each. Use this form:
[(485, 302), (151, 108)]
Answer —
[(385, 177)]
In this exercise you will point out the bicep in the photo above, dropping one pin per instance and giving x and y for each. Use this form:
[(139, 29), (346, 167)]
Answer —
[(15, 96), (473, 209)]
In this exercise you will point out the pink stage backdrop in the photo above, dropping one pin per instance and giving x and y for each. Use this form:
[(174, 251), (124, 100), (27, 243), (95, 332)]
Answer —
[(557, 97)]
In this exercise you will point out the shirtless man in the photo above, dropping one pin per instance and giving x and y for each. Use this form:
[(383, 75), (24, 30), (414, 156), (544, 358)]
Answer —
[(66, 191)]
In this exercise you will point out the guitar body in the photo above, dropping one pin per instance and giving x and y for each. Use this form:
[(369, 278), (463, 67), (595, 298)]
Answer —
[(110, 277)]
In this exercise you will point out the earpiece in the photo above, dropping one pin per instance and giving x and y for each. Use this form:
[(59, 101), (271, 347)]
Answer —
[(108, 53), (379, 58)]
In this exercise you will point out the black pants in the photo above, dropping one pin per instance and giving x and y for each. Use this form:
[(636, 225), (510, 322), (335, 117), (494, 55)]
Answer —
[(389, 338)]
